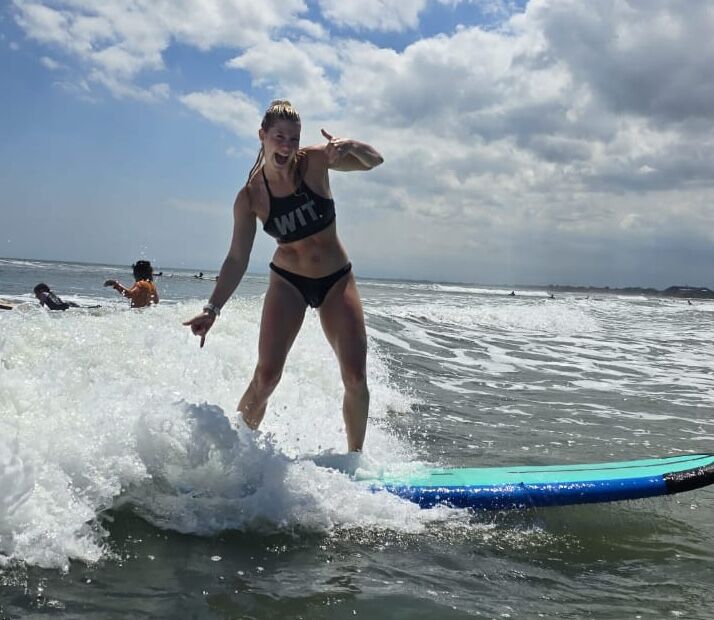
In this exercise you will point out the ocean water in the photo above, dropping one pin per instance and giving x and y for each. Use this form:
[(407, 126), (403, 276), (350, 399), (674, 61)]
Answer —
[(129, 488)]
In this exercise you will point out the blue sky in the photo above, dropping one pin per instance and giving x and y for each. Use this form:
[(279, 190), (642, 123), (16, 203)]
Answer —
[(550, 141)]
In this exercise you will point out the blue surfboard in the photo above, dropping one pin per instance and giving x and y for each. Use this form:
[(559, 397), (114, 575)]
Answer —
[(500, 488)]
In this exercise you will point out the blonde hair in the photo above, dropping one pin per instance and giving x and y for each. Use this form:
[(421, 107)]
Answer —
[(278, 110)]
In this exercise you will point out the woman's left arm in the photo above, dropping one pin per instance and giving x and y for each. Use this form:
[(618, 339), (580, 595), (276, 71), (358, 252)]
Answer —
[(345, 154)]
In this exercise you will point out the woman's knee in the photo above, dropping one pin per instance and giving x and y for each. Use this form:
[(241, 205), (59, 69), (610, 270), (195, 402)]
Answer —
[(355, 377)]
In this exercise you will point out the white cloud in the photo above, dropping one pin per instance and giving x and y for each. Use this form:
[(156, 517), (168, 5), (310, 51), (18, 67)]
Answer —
[(507, 92), (498, 133), (312, 29), (385, 15), (233, 110), (118, 40), (643, 58), (43, 23), (125, 89), (231, 23), (496, 8), (50, 63), (567, 123), (288, 69)]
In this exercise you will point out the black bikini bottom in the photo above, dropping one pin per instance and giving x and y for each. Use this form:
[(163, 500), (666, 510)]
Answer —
[(313, 290)]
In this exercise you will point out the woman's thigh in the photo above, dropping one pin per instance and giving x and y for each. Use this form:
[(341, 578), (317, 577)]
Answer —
[(343, 322), (283, 314)]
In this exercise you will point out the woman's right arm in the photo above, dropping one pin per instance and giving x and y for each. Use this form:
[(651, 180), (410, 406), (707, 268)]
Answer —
[(236, 263), (117, 286), (234, 266)]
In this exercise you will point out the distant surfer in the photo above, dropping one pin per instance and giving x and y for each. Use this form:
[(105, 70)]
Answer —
[(288, 191), (512, 293), (50, 300), (144, 292)]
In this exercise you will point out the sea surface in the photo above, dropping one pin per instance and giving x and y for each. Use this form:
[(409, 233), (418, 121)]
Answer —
[(129, 488)]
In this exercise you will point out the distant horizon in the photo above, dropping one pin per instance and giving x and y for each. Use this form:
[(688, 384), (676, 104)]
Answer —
[(369, 277)]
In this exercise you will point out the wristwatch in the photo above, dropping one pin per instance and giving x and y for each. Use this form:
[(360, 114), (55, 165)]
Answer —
[(212, 308)]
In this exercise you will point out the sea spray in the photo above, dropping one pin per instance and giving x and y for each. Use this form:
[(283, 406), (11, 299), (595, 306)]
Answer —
[(43, 520), (208, 474), (102, 408), (16, 484)]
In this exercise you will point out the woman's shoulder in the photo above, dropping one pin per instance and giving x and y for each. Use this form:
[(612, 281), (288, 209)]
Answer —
[(252, 183), (313, 164), (251, 190), (252, 197)]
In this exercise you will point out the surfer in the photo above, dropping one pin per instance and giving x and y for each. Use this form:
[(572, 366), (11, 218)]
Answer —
[(144, 292), (288, 191), (50, 300)]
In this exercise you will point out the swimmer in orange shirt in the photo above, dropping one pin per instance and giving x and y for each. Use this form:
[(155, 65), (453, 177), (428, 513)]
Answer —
[(144, 292)]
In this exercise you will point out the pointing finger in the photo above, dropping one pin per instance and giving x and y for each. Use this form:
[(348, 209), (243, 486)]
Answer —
[(203, 339), (327, 135)]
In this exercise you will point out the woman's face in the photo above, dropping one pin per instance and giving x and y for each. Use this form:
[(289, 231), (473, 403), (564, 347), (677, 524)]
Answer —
[(281, 142)]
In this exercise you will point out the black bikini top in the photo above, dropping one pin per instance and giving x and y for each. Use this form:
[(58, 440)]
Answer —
[(299, 215)]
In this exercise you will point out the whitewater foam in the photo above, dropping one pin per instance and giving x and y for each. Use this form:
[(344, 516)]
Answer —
[(122, 408)]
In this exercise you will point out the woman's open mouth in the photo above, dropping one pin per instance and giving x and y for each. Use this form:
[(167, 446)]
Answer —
[(281, 160)]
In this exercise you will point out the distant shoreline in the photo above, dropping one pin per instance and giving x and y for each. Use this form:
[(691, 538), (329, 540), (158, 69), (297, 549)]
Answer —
[(679, 292)]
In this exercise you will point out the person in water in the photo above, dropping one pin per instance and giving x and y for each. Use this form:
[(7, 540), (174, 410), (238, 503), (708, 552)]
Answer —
[(144, 292), (288, 191), (50, 300)]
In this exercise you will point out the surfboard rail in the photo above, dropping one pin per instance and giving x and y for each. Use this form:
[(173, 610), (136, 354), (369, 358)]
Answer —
[(503, 488)]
